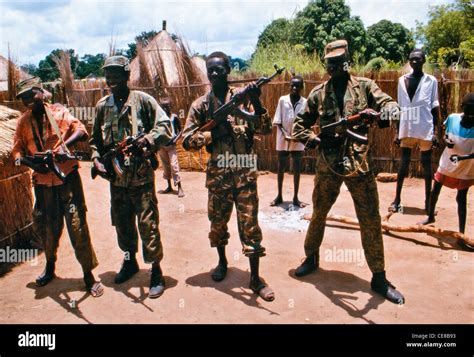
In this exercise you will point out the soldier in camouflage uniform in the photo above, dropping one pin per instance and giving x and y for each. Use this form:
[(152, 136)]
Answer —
[(229, 183), (340, 159), (133, 196)]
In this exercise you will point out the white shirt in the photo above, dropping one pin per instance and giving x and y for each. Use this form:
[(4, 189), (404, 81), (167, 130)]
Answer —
[(418, 123), (285, 115), (463, 139)]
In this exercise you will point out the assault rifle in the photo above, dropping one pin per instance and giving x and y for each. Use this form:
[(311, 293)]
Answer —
[(232, 106), (118, 157), (49, 160)]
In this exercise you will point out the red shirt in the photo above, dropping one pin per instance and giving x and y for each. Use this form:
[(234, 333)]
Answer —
[(24, 142)]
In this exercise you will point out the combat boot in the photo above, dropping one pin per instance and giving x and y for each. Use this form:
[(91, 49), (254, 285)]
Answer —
[(309, 265), (383, 287), (157, 283), (129, 269), (47, 275)]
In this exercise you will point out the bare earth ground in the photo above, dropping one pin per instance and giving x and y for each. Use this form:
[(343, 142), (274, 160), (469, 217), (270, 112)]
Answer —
[(435, 276)]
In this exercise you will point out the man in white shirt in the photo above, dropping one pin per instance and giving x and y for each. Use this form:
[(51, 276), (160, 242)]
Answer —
[(418, 98), (288, 106)]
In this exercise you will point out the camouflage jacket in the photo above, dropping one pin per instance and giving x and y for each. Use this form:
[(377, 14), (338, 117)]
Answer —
[(110, 127), (350, 157), (221, 173)]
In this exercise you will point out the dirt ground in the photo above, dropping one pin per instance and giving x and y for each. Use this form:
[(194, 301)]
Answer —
[(435, 276)]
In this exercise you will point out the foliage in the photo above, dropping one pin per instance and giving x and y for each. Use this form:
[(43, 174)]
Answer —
[(47, 68), (391, 41), (448, 37), (294, 58), (320, 22)]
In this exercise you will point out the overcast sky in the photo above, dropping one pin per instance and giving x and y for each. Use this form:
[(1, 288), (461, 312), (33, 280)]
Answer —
[(35, 28)]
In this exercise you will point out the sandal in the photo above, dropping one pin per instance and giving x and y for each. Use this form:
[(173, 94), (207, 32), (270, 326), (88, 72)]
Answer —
[(395, 207), (277, 201), (96, 289), (262, 290), (299, 204)]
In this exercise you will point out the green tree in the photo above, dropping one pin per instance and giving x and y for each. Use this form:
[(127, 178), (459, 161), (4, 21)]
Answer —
[(391, 41), (448, 37), (48, 69), (323, 21), (90, 65), (319, 23), (278, 31)]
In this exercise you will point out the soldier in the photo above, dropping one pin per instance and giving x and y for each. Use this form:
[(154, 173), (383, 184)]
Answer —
[(46, 127), (230, 184), (123, 113), (340, 159)]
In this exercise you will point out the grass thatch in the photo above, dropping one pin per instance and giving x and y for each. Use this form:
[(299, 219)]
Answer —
[(15, 187)]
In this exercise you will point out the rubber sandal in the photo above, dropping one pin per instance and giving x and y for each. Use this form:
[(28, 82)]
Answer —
[(276, 202), (96, 290), (395, 208), (265, 292), (299, 204)]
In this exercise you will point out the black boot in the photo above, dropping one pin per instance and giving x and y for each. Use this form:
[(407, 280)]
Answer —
[(47, 275), (157, 283), (220, 271), (129, 269), (309, 265), (382, 286)]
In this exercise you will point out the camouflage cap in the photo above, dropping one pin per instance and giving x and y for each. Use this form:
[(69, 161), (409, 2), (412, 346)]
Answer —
[(27, 85), (117, 61), (336, 49)]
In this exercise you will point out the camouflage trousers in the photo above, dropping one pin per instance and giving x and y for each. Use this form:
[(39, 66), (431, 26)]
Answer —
[(54, 205), (129, 204), (220, 207), (363, 190)]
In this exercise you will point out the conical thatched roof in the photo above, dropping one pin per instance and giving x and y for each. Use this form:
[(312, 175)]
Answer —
[(8, 119), (165, 62), (4, 74)]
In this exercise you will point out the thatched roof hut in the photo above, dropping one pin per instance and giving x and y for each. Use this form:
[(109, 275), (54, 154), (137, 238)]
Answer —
[(15, 187), (4, 63), (165, 67)]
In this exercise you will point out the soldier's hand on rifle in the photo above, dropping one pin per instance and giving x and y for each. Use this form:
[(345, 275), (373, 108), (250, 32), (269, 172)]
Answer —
[(369, 115), (253, 91), (59, 154), (142, 143), (100, 167)]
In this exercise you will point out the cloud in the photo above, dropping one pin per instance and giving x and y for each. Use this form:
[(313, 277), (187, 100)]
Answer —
[(35, 28)]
